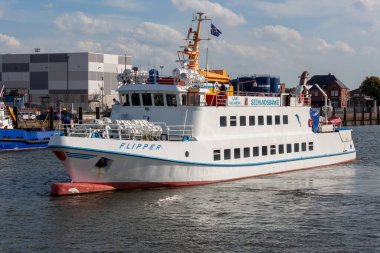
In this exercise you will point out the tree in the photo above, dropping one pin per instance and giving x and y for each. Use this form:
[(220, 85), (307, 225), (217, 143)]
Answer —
[(371, 87)]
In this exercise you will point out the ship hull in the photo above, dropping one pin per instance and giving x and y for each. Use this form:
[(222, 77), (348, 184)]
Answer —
[(138, 164)]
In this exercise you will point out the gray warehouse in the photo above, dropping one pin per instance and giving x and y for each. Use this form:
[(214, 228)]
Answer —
[(81, 78)]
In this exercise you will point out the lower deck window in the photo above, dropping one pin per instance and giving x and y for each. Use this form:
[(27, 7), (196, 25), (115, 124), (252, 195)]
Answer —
[(311, 146), (288, 148), (272, 149), (237, 153), (227, 154), (281, 148), (233, 121), (223, 121), (303, 146), (296, 147), (246, 152), (264, 150), (255, 151), (217, 155)]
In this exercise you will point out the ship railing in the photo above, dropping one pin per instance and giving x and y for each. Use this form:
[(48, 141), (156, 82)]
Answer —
[(256, 94), (130, 130), (179, 132)]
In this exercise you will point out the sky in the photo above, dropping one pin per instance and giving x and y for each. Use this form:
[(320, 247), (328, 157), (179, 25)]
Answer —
[(276, 37)]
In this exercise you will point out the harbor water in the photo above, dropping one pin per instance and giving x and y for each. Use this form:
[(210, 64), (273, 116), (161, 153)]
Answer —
[(329, 209)]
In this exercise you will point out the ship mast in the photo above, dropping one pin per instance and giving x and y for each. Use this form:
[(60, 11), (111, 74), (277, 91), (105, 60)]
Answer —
[(192, 50)]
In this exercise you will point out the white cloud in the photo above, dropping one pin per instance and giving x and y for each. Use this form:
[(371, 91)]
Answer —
[(9, 41), (89, 46), (122, 4), (304, 8), (212, 9), (48, 6), (248, 52), (278, 33), (323, 46), (368, 5), (79, 22), (157, 33)]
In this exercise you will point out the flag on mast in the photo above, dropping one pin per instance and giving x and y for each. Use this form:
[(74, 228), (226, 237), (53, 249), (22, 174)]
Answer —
[(215, 31)]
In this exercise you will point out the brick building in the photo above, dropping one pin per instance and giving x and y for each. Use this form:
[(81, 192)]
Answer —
[(337, 92)]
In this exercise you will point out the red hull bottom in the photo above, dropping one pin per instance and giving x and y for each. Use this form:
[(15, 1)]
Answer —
[(73, 188)]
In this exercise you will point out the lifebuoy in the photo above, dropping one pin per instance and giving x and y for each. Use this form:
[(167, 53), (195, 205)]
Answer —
[(216, 86), (310, 122)]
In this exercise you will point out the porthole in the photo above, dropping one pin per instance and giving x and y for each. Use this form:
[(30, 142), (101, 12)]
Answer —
[(187, 153)]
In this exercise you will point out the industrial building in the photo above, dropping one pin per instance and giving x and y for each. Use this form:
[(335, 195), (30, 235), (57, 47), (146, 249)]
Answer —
[(84, 79)]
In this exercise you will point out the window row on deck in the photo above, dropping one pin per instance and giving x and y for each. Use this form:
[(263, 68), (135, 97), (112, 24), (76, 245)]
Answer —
[(262, 150), (261, 120), (159, 99)]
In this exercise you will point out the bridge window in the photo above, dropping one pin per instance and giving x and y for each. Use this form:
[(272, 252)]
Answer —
[(158, 99), (227, 154), (136, 99), (147, 99), (233, 121), (255, 151), (125, 99), (246, 152), (171, 99), (285, 119), (242, 121), (261, 120), (269, 119), (217, 155), (252, 120), (223, 121), (277, 120)]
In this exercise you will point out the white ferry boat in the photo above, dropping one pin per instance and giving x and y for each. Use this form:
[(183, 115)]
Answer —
[(194, 128)]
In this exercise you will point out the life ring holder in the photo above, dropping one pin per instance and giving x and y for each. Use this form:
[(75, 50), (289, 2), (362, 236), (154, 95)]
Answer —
[(216, 86)]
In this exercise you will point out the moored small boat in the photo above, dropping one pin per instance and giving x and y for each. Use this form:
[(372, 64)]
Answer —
[(20, 139)]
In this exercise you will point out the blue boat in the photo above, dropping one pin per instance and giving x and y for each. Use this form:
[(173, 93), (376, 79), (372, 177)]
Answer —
[(23, 139), (20, 139)]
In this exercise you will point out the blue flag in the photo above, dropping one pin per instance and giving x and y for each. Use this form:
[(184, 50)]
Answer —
[(215, 31)]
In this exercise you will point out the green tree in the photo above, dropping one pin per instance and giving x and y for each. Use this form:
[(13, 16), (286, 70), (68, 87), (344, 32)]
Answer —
[(371, 87)]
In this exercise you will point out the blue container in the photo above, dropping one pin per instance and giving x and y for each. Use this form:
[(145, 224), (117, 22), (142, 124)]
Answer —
[(153, 76), (245, 84), (274, 84), (263, 83)]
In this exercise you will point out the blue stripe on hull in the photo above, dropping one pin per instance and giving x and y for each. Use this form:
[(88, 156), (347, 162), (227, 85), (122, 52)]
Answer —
[(207, 164)]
